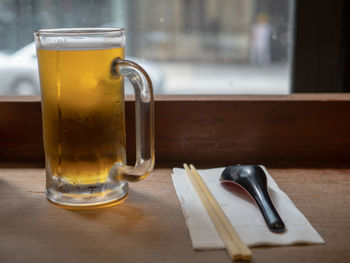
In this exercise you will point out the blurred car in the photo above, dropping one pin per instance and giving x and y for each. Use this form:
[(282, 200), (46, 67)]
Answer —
[(19, 73)]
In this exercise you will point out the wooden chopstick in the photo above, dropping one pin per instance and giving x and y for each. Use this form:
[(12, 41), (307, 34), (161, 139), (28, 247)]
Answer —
[(245, 251), (231, 248), (235, 247)]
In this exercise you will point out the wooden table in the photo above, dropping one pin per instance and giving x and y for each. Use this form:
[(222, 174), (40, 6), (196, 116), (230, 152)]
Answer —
[(149, 225)]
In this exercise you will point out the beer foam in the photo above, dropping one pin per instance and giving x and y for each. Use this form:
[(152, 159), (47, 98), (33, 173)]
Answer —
[(76, 46), (79, 38)]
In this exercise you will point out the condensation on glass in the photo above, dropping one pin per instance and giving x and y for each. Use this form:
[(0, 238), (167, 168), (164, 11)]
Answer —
[(187, 46)]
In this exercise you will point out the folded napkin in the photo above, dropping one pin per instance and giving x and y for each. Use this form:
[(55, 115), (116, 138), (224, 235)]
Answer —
[(243, 213)]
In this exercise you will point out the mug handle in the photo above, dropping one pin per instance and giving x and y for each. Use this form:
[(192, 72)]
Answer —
[(144, 122)]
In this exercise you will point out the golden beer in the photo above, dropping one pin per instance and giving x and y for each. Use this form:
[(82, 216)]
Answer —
[(83, 114)]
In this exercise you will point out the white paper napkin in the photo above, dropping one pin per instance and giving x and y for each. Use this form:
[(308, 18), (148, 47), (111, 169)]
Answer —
[(243, 213)]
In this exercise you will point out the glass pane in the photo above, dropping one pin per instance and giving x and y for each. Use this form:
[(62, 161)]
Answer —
[(187, 46)]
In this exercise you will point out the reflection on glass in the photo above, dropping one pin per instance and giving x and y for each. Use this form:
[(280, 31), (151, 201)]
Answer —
[(187, 46)]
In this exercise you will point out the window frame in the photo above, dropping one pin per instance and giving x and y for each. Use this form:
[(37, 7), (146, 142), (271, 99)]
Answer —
[(321, 47), (293, 129)]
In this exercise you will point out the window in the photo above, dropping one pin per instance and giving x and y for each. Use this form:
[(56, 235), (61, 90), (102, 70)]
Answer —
[(187, 46)]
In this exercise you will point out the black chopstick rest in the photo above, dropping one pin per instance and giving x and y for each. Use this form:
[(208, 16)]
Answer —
[(253, 179)]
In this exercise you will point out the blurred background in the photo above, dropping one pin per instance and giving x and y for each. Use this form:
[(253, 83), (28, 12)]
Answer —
[(187, 46)]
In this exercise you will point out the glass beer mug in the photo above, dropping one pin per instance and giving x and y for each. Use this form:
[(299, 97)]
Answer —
[(82, 99)]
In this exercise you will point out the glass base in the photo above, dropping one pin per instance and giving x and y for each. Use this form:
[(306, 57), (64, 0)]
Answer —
[(88, 199)]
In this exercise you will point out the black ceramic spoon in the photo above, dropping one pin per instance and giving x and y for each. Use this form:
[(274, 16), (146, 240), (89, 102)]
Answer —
[(253, 179)]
